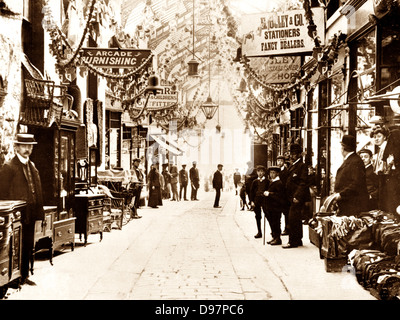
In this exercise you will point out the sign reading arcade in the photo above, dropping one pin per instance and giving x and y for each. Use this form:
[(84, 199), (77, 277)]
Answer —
[(114, 57)]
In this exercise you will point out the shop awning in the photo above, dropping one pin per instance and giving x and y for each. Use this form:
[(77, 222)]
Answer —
[(163, 143)]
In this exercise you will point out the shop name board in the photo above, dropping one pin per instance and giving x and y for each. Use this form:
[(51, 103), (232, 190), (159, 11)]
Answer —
[(278, 69), (277, 33), (164, 99), (114, 57)]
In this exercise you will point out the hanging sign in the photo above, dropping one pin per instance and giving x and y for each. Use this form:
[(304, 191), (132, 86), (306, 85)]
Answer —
[(167, 98), (114, 57), (277, 69), (280, 33)]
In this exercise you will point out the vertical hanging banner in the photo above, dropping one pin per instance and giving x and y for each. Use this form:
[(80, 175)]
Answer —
[(280, 33)]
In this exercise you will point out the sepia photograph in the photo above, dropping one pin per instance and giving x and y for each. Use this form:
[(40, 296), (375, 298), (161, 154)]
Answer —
[(199, 158)]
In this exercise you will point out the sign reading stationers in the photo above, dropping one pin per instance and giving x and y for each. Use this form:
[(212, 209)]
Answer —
[(114, 57), (280, 33)]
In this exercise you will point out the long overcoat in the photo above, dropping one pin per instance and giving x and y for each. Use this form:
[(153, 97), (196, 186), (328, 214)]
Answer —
[(14, 186), (351, 183)]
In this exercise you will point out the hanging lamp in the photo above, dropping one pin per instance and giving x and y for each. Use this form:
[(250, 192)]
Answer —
[(193, 64)]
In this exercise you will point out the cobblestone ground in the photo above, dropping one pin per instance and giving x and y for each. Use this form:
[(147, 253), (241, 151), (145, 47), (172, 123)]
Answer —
[(187, 250)]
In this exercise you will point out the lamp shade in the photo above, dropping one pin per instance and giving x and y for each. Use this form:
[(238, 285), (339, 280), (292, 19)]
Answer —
[(193, 66), (242, 86), (153, 85), (209, 108), (238, 55)]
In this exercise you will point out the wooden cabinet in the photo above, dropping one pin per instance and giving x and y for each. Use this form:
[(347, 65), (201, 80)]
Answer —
[(10, 242), (43, 234), (64, 233), (89, 214), (55, 158)]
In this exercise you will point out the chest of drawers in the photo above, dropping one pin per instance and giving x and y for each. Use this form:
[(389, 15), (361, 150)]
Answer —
[(43, 234), (10, 242), (89, 215)]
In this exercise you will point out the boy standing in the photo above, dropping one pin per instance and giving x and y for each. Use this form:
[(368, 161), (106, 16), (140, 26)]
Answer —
[(275, 202), (257, 197)]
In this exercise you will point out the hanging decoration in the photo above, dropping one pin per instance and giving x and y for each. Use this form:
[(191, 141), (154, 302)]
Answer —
[(65, 58)]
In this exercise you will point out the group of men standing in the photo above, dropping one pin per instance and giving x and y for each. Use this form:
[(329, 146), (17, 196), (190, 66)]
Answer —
[(280, 190)]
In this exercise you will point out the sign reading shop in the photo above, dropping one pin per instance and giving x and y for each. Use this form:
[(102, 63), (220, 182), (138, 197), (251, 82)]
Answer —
[(280, 33), (279, 69), (114, 57)]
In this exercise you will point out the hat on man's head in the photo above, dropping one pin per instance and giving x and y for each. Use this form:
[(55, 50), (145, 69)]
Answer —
[(281, 157), (136, 159), (349, 142), (183, 165), (274, 168), (220, 165), (365, 150), (295, 148), (25, 138), (260, 167)]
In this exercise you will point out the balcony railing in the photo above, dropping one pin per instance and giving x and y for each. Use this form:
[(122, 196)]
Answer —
[(44, 103)]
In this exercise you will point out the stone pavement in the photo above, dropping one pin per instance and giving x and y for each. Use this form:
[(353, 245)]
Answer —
[(191, 251)]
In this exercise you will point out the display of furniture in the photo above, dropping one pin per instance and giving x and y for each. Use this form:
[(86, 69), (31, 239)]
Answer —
[(10, 242), (54, 157), (89, 215), (43, 236)]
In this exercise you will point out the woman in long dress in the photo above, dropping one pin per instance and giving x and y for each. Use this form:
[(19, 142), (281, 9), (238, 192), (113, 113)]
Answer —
[(154, 188)]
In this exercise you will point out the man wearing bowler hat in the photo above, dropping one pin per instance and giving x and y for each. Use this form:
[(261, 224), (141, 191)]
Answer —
[(297, 193), (20, 180), (351, 192)]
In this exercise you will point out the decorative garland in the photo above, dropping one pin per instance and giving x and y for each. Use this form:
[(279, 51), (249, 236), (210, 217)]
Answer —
[(275, 87), (118, 76), (54, 30)]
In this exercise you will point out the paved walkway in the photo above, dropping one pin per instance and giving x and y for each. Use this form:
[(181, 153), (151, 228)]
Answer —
[(188, 250)]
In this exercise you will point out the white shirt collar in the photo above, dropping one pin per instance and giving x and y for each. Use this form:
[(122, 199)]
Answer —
[(22, 159), (276, 179), (262, 178)]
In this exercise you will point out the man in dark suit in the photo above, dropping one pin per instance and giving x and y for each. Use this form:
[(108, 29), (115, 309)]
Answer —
[(351, 192), (257, 198), (371, 178), (20, 180), (183, 182), (217, 185), (249, 177), (280, 162), (298, 194), (194, 180)]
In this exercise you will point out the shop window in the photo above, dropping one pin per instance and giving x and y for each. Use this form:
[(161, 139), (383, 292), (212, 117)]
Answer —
[(390, 58), (366, 57)]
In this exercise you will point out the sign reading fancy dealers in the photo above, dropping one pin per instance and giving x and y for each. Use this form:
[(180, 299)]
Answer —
[(280, 33), (114, 58)]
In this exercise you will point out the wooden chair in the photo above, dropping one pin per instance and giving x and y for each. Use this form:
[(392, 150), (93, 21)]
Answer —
[(113, 209)]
